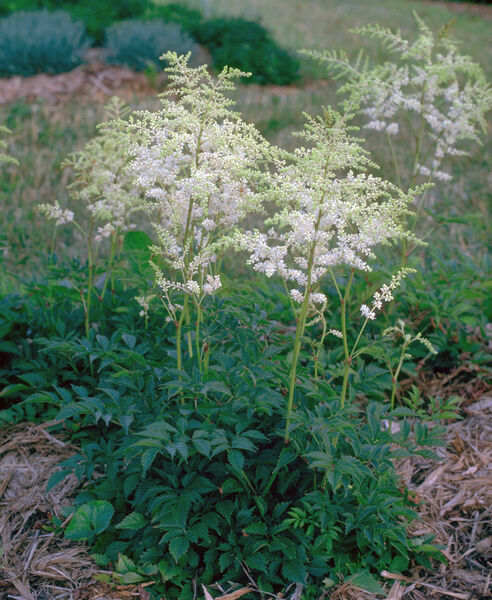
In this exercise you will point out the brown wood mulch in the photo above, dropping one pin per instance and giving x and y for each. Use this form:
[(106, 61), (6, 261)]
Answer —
[(454, 495), (92, 82)]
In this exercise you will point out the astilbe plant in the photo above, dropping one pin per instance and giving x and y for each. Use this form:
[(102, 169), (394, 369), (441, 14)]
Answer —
[(332, 216), (104, 187), (201, 167), (428, 88), (213, 487)]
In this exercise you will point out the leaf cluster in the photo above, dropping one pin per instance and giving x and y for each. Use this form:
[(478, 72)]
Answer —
[(187, 474)]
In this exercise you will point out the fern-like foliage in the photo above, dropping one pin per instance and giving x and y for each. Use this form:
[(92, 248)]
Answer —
[(440, 92)]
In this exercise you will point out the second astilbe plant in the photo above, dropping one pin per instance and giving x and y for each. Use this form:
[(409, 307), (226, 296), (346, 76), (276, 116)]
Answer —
[(427, 89), (333, 214)]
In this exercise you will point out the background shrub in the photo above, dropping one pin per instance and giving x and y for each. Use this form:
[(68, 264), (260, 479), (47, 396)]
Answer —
[(97, 16), (31, 42), (107, 12), (247, 46), (138, 44), (187, 18)]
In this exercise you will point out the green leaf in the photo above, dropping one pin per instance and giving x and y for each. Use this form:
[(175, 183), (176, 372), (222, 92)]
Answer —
[(137, 241), (125, 564), (12, 389), (89, 520), (178, 546), (130, 340), (365, 581), (55, 479), (399, 563), (236, 459), (215, 386), (133, 521), (258, 528), (294, 570), (202, 446)]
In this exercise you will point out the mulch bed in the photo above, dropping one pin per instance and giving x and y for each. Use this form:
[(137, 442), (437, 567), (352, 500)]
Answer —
[(454, 495), (95, 81)]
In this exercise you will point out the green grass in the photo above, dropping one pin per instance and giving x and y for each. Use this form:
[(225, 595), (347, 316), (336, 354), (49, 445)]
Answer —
[(321, 24)]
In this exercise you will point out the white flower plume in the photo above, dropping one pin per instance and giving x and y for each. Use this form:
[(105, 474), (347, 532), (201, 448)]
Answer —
[(330, 216)]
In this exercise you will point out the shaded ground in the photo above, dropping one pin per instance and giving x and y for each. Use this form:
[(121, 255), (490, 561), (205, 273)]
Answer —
[(455, 498)]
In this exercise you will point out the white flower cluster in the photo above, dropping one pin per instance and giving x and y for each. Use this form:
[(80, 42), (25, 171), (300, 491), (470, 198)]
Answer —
[(101, 181), (330, 216), (443, 94), (59, 215), (384, 294), (198, 164)]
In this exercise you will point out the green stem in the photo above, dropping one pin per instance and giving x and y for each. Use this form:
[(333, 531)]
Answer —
[(320, 347), (206, 358), (109, 274), (396, 375), (179, 327), (358, 338), (197, 335), (188, 335), (297, 347), (395, 161), (90, 280), (53, 239), (346, 369)]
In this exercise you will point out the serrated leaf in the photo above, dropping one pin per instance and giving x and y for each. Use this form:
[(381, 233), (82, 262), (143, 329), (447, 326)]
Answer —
[(215, 386), (133, 521), (258, 528), (257, 561), (178, 546), (365, 581), (202, 446), (125, 564), (236, 459), (294, 570)]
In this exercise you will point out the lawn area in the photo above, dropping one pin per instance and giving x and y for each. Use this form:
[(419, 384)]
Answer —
[(237, 361)]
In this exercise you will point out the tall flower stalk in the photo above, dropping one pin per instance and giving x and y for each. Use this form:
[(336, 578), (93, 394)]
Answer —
[(200, 166), (104, 188), (332, 215)]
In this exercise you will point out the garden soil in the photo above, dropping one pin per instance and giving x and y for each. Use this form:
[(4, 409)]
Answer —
[(453, 497)]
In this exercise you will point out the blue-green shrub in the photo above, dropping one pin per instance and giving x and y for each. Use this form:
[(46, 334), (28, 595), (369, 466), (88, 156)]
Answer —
[(139, 44), (40, 41), (96, 16)]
